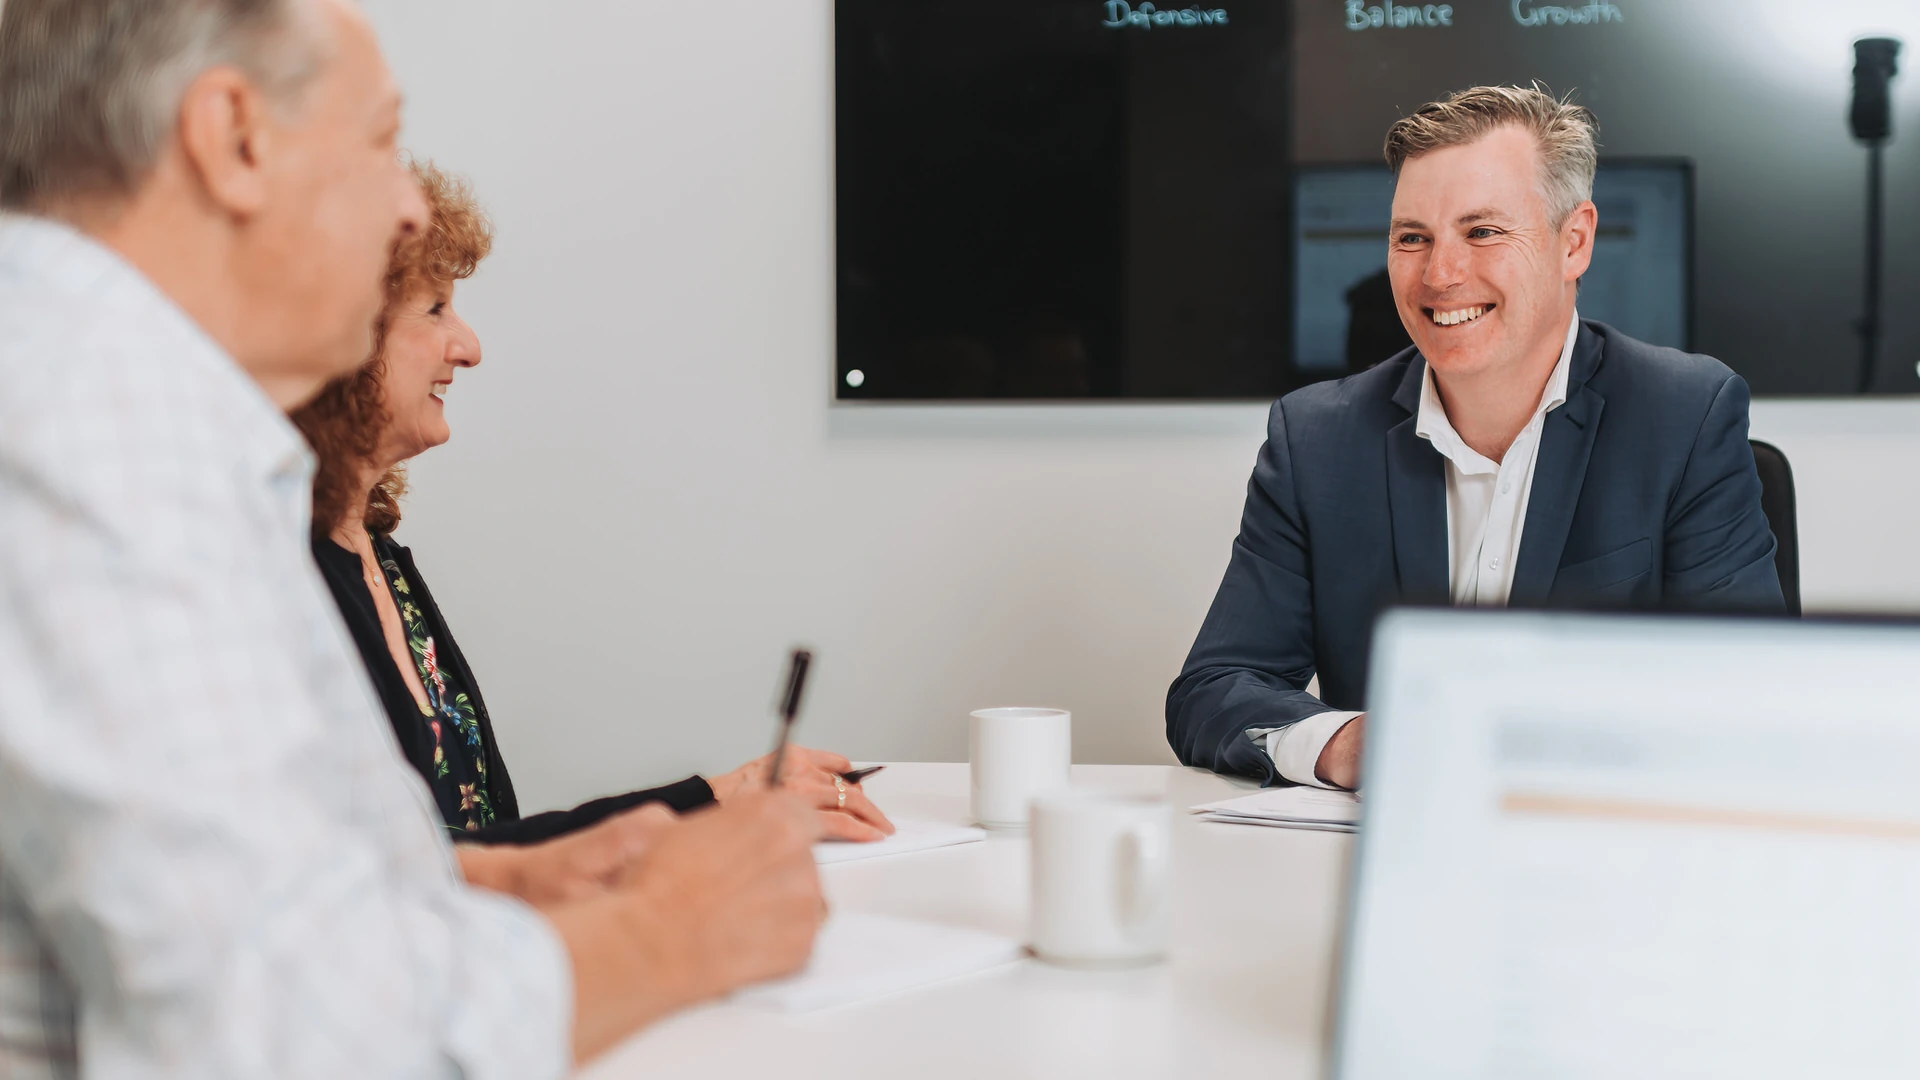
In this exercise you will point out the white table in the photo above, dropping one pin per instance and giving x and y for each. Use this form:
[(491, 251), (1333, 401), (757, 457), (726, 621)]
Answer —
[(1255, 925)]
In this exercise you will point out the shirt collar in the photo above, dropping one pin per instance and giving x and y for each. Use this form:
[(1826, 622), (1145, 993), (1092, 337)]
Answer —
[(1432, 424), (122, 300)]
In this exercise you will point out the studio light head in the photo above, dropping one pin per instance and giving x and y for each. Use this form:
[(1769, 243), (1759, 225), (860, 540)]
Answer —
[(1875, 62)]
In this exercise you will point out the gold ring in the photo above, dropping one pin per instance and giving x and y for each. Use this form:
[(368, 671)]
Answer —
[(840, 786)]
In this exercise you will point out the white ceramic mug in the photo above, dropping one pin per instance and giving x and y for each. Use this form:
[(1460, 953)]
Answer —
[(1018, 755), (1101, 867)]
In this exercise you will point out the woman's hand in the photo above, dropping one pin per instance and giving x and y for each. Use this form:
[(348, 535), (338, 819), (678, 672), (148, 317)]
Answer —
[(845, 811), (570, 867)]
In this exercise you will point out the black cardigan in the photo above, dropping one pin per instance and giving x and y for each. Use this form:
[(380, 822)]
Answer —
[(345, 577)]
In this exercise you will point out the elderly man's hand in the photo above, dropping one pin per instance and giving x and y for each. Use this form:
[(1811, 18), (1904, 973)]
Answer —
[(725, 897), (811, 774), (570, 867), (738, 886)]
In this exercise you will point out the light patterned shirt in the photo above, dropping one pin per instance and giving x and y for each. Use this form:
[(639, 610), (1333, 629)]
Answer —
[(213, 861)]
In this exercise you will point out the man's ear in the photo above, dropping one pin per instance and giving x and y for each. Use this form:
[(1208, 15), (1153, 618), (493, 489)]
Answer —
[(1576, 238), (226, 137)]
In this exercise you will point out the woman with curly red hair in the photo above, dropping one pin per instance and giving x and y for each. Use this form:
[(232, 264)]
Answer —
[(363, 429)]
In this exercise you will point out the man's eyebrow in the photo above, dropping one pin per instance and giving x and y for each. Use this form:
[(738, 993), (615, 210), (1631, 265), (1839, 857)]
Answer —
[(1485, 213), (1404, 223)]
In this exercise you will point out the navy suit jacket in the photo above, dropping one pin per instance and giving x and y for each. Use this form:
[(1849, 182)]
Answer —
[(1644, 496)]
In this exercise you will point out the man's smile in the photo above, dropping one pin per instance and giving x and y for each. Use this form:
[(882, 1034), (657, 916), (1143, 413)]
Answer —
[(1458, 316)]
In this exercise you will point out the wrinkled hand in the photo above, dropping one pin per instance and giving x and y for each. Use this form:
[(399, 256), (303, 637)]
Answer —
[(732, 893), (587, 861), (570, 867), (721, 898), (810, 774)]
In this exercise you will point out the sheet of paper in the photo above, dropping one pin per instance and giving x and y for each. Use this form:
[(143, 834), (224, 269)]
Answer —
[(863, 957), (1284, 805), (909, 835)]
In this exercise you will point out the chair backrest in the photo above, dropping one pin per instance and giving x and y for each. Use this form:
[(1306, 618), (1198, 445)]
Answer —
[(1776, 500)]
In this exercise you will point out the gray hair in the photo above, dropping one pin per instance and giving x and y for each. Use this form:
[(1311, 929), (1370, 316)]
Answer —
[(90, 90), (1567, 134)]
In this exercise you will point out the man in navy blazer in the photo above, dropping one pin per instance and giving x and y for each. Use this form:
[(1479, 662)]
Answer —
[(1515, 455)]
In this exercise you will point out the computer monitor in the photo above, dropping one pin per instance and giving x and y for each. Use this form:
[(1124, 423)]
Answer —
[(1607, 846)]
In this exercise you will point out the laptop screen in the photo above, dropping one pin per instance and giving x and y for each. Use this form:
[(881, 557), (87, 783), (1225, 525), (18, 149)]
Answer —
[(1648, 847)]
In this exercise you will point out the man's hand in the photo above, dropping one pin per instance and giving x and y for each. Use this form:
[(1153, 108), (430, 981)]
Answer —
[(571, 867), (1339, 762), (724, 898), (810, 774)]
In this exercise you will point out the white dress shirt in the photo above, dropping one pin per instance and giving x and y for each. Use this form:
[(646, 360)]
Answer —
[(1486, 513), (213, 861)]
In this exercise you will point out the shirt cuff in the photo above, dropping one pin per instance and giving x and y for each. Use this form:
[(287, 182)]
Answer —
[(1295, 749)]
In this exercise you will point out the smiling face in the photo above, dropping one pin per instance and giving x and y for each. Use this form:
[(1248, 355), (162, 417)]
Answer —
[(426, 343), (1484, 282)]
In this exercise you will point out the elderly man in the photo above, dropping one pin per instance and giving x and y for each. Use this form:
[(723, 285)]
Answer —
[(1514, 455), (212, 861)]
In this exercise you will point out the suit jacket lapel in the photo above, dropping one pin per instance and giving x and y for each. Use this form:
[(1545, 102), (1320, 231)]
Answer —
[(1560, 470), (1417, 500)]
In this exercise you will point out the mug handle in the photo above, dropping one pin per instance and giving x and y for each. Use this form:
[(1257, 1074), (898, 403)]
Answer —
[(1142, 891)]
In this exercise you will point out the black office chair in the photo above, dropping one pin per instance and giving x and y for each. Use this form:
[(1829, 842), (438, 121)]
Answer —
[(1776, 501)]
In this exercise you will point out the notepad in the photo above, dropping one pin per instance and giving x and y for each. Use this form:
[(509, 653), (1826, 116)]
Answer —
[(1288, 808), (863, 957), (909, 835)]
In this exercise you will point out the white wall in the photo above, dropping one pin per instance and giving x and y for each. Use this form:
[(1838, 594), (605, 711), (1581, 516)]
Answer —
[(649, 496)]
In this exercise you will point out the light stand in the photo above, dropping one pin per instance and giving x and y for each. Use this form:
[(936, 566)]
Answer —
[(1875, 62)]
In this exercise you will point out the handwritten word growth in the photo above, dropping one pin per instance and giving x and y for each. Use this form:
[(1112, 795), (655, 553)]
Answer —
[(1528, 13)]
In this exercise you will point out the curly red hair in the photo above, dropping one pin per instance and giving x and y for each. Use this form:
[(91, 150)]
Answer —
[(344, 422)]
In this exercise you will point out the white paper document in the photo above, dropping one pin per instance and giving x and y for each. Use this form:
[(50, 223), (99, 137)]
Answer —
[(1311, 808), (862, 957), (909, 835)]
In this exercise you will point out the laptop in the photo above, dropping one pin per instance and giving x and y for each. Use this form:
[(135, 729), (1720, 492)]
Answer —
[(1620, 846)]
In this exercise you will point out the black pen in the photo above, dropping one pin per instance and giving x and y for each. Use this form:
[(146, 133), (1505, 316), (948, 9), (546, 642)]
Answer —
[(858, 775), (789, 709)]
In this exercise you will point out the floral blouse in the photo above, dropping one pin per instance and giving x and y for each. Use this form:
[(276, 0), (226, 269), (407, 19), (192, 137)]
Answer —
[(459, 777)]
